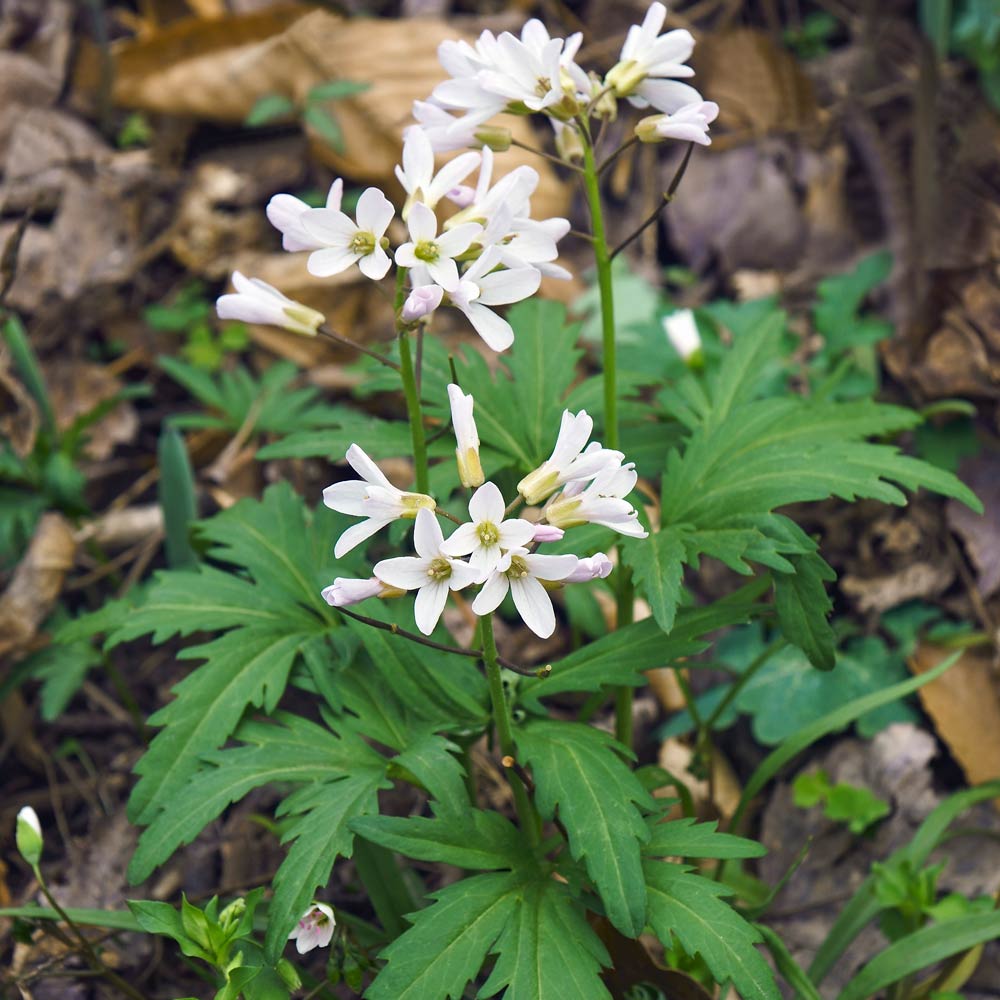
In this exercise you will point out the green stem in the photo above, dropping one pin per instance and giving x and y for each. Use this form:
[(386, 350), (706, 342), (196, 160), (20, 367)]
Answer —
[(409, 378), (505, 733), (602, 258)]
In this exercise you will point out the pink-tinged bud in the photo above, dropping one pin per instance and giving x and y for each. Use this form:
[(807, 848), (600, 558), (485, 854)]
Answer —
[(689, 124), (595, 567), (345, 591), (422, 301), (547, 533), (314, 929), (462, 195)]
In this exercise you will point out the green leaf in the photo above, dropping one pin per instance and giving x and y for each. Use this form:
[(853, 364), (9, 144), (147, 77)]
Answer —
[(658, 565), (269, 108), (61, 670), (864, 905), (293, 750), (336, 90), (431, 759), (321, 833), (28, 368), (686, 838), (920, 949), (475, 839), (177, 498), (449, 941), (115, 919), (577, 770), (790, 970), (687, 907), (621, 656), (785, 695), (803, 608), (325, 125), (246, 667), (548, 951), (165, 920), (829, 723)]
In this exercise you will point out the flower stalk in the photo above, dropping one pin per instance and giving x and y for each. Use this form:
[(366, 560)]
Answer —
[(505, 733), (409, 378)]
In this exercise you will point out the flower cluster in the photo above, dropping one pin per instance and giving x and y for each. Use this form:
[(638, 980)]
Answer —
[(581, 483), (492, 252)]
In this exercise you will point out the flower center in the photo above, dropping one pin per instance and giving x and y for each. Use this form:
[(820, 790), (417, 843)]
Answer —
[(543, 86), (439, 569), (363, 243), (518, 568), (427, 251), (488, 532)]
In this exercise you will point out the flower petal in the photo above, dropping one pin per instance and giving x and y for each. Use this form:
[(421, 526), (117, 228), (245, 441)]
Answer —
[(500, 287), (375, 265), (515, 533), (534, 605), (374, 212), (463, 574), (358, 533), (429, 604), (330, 260), (487, 504), (404, 572), (550, 567), (461, 542), (494, 329), (427, 536), (359, 461), (494, 591)]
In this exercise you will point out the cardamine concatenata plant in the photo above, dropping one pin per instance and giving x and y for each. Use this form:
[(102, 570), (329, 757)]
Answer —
[(574, 854)]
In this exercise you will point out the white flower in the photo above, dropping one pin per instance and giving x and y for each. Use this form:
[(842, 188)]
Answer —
[(488, 533), (285, 211), (314, 929), (682, 332), (28, 835), (417, 171), (600, 503), (481, 287), (566, 462), (519, 572), (689, 123), (436, 253), (256, 301), (512, 193), (470, 471), (647, 59), (531, 243), (421, 301), (345, 591), (373, 497), (432, 573), (345, 242), (446, 132), (596, 567)]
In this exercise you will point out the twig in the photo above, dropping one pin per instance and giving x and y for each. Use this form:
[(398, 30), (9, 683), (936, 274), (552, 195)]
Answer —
[(339, 338), (546, 156), (668, 196), (475, 654), (614, 156)]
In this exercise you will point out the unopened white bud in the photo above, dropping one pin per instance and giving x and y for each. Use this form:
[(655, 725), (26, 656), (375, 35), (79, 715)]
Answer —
[(682, 332), (256, 301), (28, 834), (470, 471)]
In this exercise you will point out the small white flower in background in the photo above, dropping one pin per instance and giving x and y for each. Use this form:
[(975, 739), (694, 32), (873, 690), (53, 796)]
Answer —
[(372, 497), (28, 835), (417, 175), (345, 242), (470, 470), (256, 301), (568, 460), (521, 572), (314, 929), (421, 302), (595, 567), (432, 572), (285, 211), (682, 332), (488, 534), (689, 123), (600, 503), (345, 591), (647, 59), (436, 253), (481, 287)]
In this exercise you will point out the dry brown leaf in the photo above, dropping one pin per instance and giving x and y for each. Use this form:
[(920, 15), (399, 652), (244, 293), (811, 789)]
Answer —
[(18, 414), (720, 797), (965, 706), (919, 579), (758, 85), (981, 532), (36, 583)]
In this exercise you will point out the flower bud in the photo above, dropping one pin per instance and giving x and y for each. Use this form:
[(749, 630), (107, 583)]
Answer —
[(547, 533), (462, 195), (682, 332), (28, 835), (256, 301), (470, 471), (422, 301), (345, 591), (495, 137), (689, 124), (569, 145), (624, 77), (289, 975), (596, 567)]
